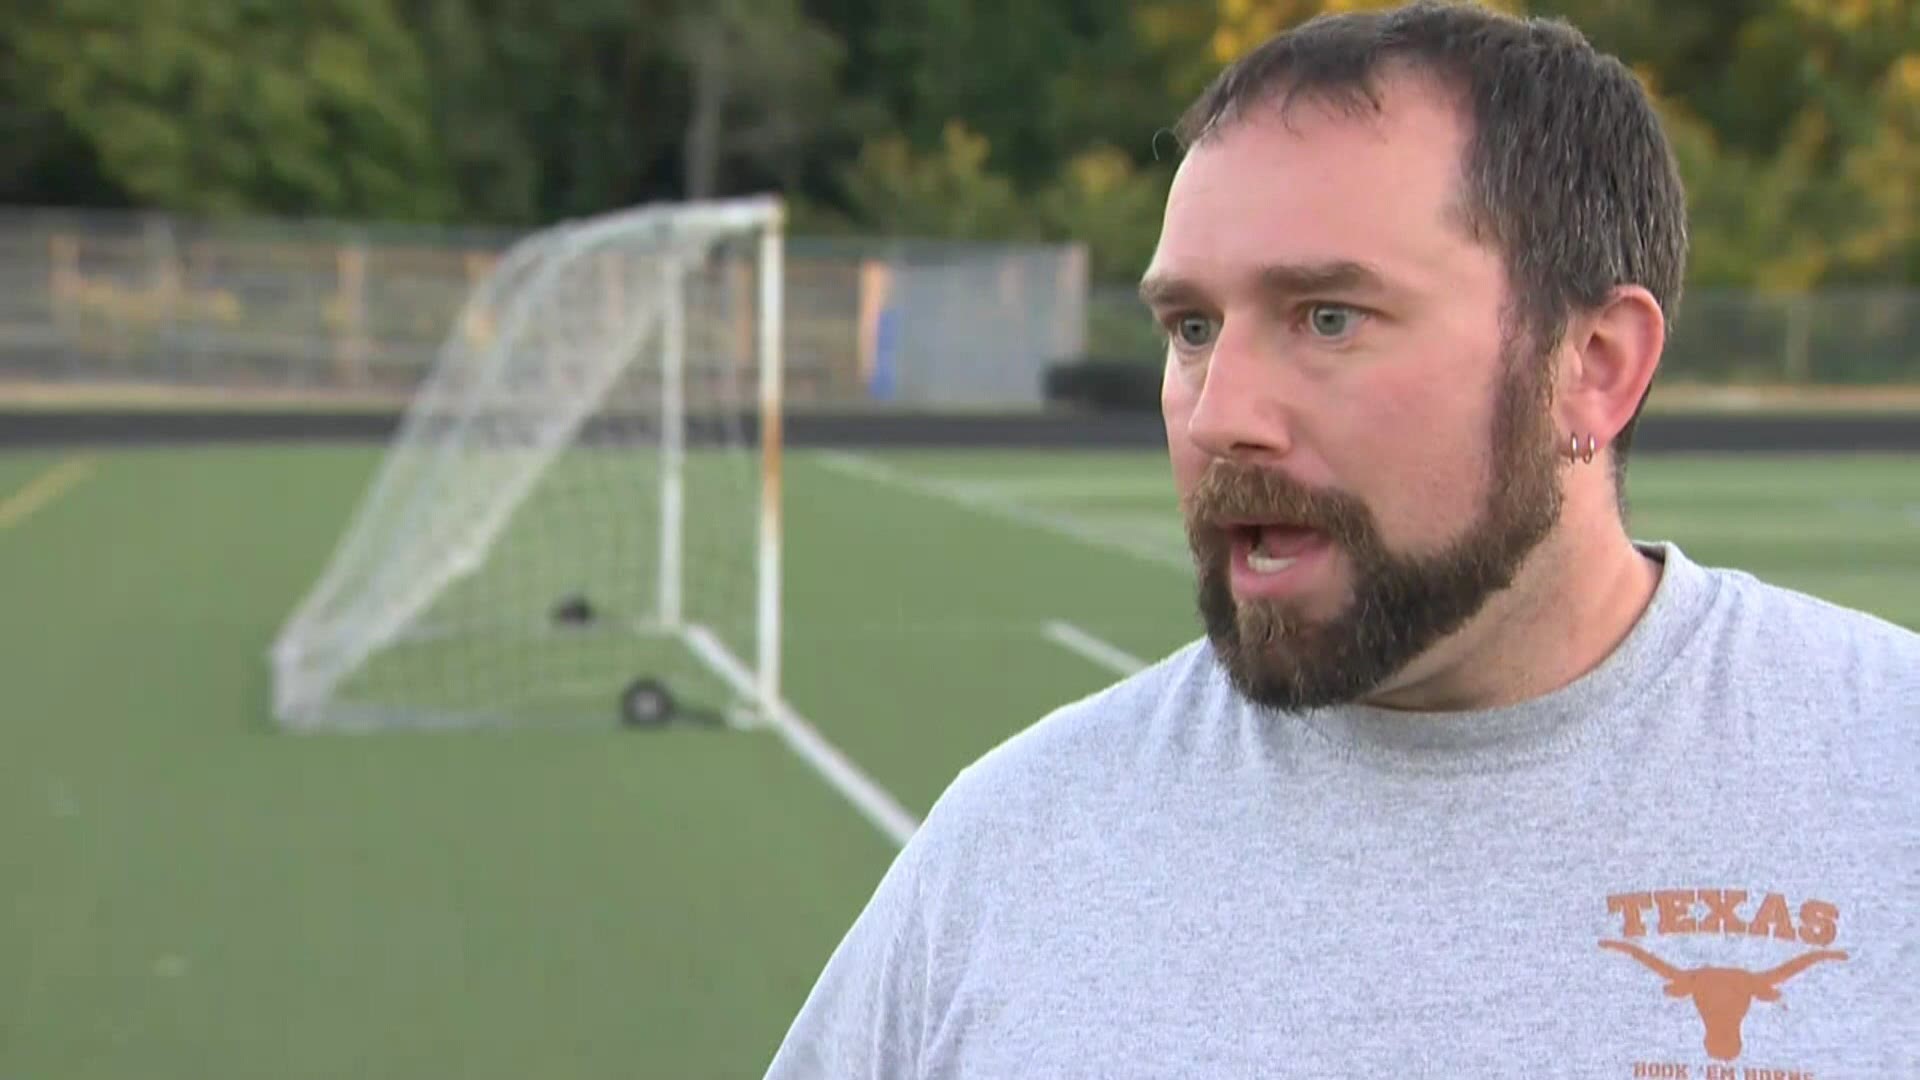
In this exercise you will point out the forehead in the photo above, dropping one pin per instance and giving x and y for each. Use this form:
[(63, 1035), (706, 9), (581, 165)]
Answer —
[(1324, 183)]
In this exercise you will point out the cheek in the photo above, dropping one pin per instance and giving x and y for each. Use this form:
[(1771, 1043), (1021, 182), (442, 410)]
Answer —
[(1176, 409), (1417, 453)]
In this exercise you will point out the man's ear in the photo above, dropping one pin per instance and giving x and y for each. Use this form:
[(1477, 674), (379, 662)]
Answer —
[(1607, 362)]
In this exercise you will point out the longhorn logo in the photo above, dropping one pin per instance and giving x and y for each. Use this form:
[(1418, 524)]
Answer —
[(1723, 995)]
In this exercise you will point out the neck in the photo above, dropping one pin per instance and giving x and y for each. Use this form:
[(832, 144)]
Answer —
[(1575, 600)]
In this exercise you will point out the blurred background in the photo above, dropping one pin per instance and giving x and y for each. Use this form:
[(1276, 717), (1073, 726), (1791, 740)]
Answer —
[(238, 236)]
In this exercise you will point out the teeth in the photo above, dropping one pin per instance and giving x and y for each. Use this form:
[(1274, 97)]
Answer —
[(1263, 564)]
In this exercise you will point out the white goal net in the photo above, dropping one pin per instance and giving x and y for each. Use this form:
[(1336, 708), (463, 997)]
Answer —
[(580, 509)]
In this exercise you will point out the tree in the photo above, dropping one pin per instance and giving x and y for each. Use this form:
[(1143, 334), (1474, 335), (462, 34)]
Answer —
[(230, 106), (949, 193), (761, 75), (1794, 120), (561, 110)]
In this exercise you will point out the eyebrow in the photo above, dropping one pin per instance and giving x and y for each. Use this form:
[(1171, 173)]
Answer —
[(1281, 279)]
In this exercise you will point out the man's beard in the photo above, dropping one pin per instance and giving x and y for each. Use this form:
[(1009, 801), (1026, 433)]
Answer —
[(1401, 605)]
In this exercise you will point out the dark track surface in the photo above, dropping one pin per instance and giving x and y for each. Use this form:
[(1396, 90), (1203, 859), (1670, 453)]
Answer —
[(1667, 432)]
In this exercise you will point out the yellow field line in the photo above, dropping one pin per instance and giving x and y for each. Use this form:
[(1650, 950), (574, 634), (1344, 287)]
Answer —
[(43, 489)]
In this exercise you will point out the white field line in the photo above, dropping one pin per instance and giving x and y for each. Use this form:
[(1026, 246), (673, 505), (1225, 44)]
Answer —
[(873, 801), (1105, 654), (1062, 525), (43, 489)]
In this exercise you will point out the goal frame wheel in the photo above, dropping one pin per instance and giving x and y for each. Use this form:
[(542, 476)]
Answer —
[(647, 703)]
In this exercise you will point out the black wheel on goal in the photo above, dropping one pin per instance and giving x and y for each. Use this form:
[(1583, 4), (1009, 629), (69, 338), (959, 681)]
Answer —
[(646, 704)]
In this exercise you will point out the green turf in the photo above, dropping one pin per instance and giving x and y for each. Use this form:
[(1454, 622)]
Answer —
[(560, 615), (191, 894)]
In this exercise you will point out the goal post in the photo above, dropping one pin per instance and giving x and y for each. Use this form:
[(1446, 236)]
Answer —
[(673, 443), (772, 438), (578, 517)]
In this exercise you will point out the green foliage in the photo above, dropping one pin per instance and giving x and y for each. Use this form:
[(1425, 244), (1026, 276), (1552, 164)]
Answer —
[(1800, 154), (761, 80), (231, 106), (1797, 121), (948, 193), (1101, 198)]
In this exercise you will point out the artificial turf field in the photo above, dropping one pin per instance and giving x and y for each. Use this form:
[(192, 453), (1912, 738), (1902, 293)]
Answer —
[(188, 893)]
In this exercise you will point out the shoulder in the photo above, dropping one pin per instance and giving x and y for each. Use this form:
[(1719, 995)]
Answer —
[(1838, 684), (990, 840), (1083, 754), (1795, 633)]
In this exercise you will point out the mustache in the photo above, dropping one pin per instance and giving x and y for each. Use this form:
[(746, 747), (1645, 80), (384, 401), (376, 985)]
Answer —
[(1230, 491)]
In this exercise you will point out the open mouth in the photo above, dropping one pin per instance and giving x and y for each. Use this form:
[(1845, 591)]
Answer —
[(1264, 551)]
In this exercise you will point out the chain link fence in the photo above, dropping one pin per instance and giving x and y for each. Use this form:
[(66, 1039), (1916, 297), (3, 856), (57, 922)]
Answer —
[(148, 304)]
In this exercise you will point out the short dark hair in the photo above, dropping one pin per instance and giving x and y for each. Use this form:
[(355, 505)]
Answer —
[(1567, 170)]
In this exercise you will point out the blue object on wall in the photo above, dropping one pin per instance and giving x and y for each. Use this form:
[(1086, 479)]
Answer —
[(886, 334)]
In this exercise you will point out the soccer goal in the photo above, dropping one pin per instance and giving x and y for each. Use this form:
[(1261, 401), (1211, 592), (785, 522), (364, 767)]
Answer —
[(578, 519)]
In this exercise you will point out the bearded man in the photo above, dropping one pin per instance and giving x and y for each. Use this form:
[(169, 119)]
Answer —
[(1461, 780)]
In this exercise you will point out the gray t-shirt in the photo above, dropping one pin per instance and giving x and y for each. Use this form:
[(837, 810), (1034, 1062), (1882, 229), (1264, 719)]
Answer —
[(1703, 855)]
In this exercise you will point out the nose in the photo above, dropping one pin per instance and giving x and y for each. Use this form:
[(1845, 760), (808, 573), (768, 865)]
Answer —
[(1239, 412)]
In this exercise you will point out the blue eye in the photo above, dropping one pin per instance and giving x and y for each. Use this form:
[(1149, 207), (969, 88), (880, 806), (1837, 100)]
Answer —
[(1331, 320), (1193, 331)]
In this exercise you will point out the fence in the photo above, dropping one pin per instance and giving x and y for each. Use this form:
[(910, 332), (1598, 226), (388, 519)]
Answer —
[(270, 309), (157, 304), (1830, 338)]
